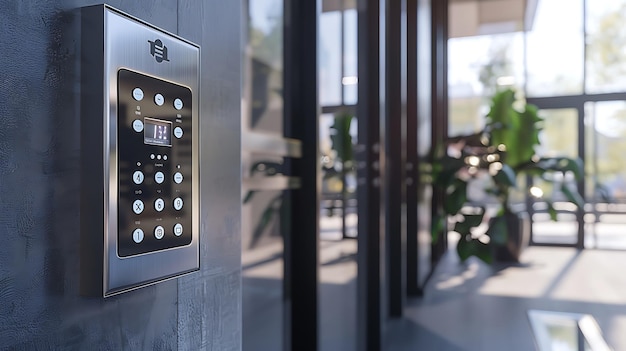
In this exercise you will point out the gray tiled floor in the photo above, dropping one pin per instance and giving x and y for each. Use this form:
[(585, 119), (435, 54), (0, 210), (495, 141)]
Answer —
[(474, 306), (466, 307)]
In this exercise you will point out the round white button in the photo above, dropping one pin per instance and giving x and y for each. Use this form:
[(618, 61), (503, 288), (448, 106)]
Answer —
[(137, 126), (178, 229), (159, 177), (178, 177), (178, 132), (138, 177), (138, 94), (138, 235), (152, 156), (165, 157), (159, 99), (138, 206), (159, 204), (178, 104), (159, 232), (178, 203), (158, 157)]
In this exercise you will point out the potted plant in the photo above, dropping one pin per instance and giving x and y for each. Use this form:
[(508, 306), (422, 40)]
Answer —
[(343, 165), (500, 156)]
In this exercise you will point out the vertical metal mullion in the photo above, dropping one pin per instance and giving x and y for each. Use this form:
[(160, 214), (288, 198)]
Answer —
[(439, 102), (595, 174), (584, 47), (412, 261), (529, 180), (301, 111), (369, 328), (580, 338), (394, 163), (580, 213), (529, 207), (344, 206), (343, 52)]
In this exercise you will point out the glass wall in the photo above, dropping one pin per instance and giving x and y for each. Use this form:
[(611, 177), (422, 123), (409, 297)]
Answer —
[(555, 53), (558, 138), (350, 67), (605, 130), (563, 55), (606, 40), (263, 216), (337, 73), (337, 54), (477, 67), (330, 58)]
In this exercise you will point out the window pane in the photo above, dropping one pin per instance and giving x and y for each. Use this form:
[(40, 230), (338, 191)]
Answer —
[(477, 67), (262, 225), (264, 67), (558, 138), (606, 38), (555, 49), (350, 68), (606, 174), (330, 58), (466, 115), (608, 145)]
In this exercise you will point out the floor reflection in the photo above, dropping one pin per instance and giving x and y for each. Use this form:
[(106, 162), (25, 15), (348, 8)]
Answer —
[(559, 331)]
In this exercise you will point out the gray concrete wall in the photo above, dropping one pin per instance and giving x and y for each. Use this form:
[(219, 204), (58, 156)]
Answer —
[(40, 305)]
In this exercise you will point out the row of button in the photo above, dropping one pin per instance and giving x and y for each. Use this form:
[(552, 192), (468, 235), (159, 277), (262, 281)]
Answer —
[(159, 232), (159, 177), (158, 99), (159, 205), (158, 157)]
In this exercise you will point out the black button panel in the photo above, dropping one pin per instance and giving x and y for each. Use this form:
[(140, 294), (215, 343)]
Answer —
[(155, 162)]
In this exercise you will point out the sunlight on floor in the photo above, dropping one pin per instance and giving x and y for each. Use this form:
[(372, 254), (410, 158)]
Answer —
[(563, 274)]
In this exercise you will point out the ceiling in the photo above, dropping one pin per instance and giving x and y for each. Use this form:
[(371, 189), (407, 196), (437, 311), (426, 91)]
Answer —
[(336, 5), (481, 17), (473, 17)]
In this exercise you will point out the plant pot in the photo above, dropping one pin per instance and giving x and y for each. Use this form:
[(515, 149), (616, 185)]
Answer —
[(518, 228)]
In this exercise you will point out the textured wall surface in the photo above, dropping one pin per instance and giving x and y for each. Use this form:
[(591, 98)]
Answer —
[(40, 306)]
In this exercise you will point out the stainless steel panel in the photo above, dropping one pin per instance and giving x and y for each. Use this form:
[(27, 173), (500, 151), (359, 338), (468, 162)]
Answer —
[(126, 45)]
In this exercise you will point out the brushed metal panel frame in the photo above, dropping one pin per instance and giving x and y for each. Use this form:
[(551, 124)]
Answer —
[(125, 45)]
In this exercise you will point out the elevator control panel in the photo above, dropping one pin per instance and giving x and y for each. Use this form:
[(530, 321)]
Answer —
[(139, 153), (155, 161)]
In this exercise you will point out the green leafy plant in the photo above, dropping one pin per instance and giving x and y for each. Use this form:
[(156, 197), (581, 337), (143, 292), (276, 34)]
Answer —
[(502, 152), (343, 146)]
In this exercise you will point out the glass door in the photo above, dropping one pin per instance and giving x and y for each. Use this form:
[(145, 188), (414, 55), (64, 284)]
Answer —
[(605, 131), (560, 137), (265, 179), (594, 130)]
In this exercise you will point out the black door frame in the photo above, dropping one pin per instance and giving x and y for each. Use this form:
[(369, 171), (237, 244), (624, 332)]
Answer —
[(576, 102)]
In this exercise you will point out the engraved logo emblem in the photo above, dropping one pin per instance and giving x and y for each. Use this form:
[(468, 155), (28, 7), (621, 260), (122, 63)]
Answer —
[(158, 50)]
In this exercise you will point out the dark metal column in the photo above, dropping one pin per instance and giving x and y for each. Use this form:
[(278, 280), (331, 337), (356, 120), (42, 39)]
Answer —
[(395, 127), (412, 176), (582, 146), (368, 191), (301, 112), (439, 98)]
